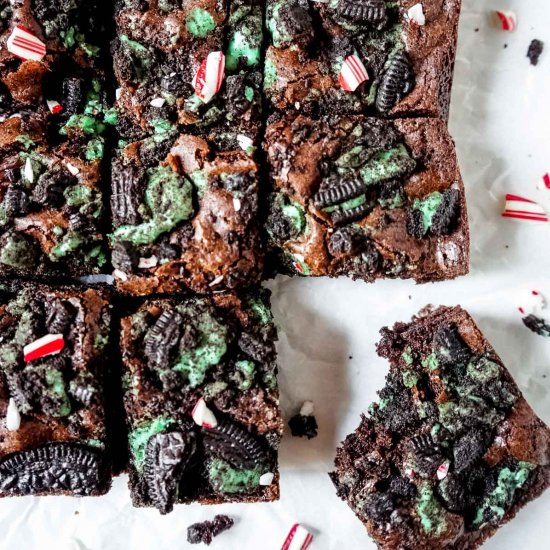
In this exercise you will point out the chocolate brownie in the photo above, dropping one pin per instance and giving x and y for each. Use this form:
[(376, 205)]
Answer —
[(366, 198), (201, 400), (53, 353), (165, 52), (361, 56), (189, 220), (451, 451)]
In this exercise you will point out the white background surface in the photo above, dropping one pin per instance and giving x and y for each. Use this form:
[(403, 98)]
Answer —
[(501, 122)]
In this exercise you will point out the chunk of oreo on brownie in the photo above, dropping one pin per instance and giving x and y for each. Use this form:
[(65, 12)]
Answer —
[(451, 451)]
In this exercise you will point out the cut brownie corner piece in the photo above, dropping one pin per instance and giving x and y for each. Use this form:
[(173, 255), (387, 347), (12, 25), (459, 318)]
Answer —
[(201, 399), (365, 198), (53, 346), (452, 450)]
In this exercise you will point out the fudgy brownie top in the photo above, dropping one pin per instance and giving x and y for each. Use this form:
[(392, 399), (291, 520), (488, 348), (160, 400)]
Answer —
[(222, 350), (364, 196), (52, 353), (356, 56), (451, 450)]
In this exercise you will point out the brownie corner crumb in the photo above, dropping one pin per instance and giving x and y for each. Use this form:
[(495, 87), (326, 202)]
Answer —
[(302, 425), (205, 531), (535, 50)]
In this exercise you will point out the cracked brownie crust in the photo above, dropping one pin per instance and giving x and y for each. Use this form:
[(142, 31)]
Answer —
[(451, 451)]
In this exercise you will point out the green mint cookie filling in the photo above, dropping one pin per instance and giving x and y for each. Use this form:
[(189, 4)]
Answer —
[(226, 479), (139, 437), (200, 23)]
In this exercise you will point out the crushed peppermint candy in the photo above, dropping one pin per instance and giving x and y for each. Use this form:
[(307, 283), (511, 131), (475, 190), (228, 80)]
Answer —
[(119, 274), (443, 470), (54, 106), (507, 20), (25, 45), (74, 170), (209, 77), (415, 14), (13, 418), (532, 302), (409, 472), (28, 171), (352, 74), (216, 281), (298, 538), (50, 344), (266, 479), (203, 416), (236, 204), (245, 143), (546, 180), (146, 263), (158, 102), (521, 208)]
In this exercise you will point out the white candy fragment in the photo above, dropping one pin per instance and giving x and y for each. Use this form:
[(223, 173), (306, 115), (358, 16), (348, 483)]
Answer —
[(236, 204), (28, 171), (72, 169), (146, 263), (267, 478), (13, 418), (203, 416), (416, 14), (308, 408), (442, 471), (158, 102)]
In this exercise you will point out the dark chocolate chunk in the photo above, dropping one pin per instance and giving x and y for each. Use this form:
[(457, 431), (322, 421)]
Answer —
[(537, 325), (64, 467), (303, 426), (535, 50), (337, 189), (234, 445), (163, 337), (205, 531), (397, 81), (166, 456), (364, 11)]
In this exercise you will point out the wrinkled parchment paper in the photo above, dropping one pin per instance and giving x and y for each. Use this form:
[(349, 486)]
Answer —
[(501, 122)]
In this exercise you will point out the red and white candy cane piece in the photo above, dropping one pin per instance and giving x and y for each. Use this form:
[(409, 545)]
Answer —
[(352, 74), (47, 345), (54, 106), (521, 208), (25, 45), (415, 14), (546, 180), (209, 77), (532, 302), (203, 416), (298, 538), (442, 471), (507, 20)]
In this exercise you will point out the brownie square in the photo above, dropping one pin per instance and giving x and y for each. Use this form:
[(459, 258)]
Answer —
[(366, 198), (186, 359), (53, 352), (158, 55), (188, 221), (451, 451), (409, 66)]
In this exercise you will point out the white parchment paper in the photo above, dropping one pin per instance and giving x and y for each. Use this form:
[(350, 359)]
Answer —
[(501, 122)]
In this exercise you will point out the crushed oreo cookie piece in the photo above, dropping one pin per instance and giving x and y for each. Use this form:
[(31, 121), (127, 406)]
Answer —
[(163, 337), (166, 456), (60, 317), (397, 81), (205, 531), (125, 257), (446, 215), (128, 184), (469, 448), (364, 11), (304, 424), (337, 189), (16, 202), (450, 348), (63, 467), (233, 444), (535, 50), (537, 325), (351, 214)]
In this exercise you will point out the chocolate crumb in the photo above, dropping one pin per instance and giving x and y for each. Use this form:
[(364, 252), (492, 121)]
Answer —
[(205, 531), (537, 325), (304, 424), (535, 49)]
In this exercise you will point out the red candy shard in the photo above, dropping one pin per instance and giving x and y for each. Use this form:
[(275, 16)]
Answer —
[(25, 45), (47, 345), (507, 19), (352, 74), (203, 416), (521, 208), (546, 180), (209, 77)]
